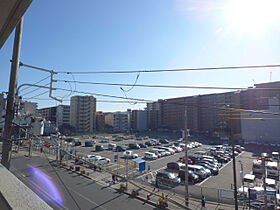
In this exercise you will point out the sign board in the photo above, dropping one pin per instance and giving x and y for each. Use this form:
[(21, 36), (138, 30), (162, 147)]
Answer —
[(226, 194)]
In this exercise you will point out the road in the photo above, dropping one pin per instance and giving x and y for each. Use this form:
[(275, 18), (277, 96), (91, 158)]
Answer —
[(76, 192)]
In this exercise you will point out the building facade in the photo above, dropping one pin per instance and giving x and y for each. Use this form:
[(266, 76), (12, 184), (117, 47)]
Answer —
[(62, 115), (49, 114), (82, 113), (138, 120), (100, 121), (205, 113), (121, 122)]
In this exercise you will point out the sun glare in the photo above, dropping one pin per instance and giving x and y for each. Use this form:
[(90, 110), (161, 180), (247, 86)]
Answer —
[(248, 15)]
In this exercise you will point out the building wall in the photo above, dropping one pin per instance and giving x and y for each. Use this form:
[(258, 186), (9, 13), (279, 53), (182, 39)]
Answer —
[(49, 114), (109, 119), (100, 121), (138, 120), (29, 107), (263, 131), (121, 122), (2, 111), (62, 115), (82, 113)]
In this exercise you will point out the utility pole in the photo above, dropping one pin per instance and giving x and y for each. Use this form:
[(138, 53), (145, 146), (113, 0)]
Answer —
[(7, 144), (186, 159), (233, 162), (242, 177), (264, 155)]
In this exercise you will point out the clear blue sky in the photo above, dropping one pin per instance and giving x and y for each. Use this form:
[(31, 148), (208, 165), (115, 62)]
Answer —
[(97, 35)]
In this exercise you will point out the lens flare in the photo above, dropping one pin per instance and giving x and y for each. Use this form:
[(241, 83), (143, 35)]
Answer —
[(45, 184)]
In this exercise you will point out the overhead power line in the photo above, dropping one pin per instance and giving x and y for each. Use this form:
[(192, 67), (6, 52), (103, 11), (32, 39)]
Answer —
[(154, 86), (37, 95), (165, 86), (46, 85), (36, 83), (157, 70)]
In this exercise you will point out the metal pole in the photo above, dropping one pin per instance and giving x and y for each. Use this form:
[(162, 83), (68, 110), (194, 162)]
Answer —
[(234, 166), (243, 183), (264, 183), (126, 172), (186, 159), (7, 143)]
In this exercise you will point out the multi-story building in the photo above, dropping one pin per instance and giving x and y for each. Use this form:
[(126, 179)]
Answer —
[(82, 113), (138, 120), (62, 115), (29, 108), (265, 130), (155, 115), (204, 111), (49, 114), (121, 122), (100, 121)]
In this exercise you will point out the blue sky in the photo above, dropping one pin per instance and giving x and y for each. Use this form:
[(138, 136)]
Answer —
[(97, 35)]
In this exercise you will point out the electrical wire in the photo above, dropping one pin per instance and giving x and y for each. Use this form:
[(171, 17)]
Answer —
[(46, 85), (161, 70), (167, 86), (37, 95), (36, 83)]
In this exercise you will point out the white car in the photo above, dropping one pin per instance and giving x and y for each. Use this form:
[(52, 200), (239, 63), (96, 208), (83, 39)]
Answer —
[(102, 161), (130, 154), (177, 149), (169, 150), (91, 158), (151, 156)]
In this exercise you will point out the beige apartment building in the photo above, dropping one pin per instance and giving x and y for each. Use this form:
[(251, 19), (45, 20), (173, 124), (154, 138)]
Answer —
[(83, 113)]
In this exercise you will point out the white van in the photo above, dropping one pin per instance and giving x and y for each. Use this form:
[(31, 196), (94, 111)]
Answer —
[(198, 170), (271, 184), (249, 180), (271, 169)]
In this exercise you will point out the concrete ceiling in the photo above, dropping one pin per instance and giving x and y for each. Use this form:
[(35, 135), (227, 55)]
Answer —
[(10, 13)]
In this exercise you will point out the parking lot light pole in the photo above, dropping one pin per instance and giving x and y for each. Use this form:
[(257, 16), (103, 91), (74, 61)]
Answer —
[(186, 159)]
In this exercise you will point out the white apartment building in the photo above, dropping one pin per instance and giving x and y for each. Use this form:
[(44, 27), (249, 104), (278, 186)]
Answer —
[(121, 122), (62, 115), (82, 113)]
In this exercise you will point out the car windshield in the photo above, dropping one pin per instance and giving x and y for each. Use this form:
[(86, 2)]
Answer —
[(202, 170)]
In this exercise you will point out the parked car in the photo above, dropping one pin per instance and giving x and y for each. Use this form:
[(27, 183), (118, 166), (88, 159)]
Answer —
[(121, 148), (102, 161), (112, 146), (133, 146), (167, 179), (156, 152), (198, 170), (143, 145), (89, 143), (174, 166), (99, 148), (192, 177), (164, 141), (149, 143), (150, 156), (130, 154), (214, 170)]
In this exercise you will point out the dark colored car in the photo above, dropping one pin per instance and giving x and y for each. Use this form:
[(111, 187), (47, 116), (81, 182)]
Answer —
[(99, 148), (78, 143), (164, 141), (133, 146), (120, 148), (89, 143), (191, 177), (148, 143), (143, 145), (174, 166)]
